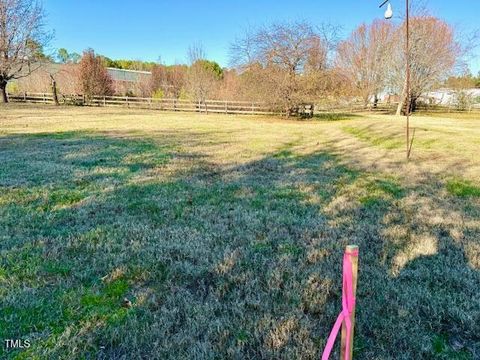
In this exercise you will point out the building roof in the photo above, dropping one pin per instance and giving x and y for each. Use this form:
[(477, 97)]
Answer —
[(116, 74), (128, 75)]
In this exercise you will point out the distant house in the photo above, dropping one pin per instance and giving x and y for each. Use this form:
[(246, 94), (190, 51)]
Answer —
[(448, 97), (444, 97)]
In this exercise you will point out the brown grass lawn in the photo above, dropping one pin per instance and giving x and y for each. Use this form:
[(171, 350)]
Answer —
[(226, 233)]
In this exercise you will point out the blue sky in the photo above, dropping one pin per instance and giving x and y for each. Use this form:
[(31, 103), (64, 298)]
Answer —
[(148, 29)]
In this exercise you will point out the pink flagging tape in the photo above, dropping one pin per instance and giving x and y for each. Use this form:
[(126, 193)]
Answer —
[(348, 305)]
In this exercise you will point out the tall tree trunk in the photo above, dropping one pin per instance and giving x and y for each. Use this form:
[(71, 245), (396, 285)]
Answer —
[(403, 99), (366, 100), (413, 104), (54, 91), (3, 90)]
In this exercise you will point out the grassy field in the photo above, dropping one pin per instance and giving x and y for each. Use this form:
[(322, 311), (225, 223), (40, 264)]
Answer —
[(226, 234)]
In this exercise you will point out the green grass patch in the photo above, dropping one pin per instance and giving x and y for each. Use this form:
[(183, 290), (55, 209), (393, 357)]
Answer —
[(372, 137), (443, 350), (335, 116), (56, 268), (389, 187), (64, 197), (463, 188), (284, 154), (290, 249), (378, 192), (371, 201)]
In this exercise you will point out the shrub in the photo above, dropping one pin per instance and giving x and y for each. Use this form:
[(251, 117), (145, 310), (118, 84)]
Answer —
[(463, 100), (13, 88), (93, 76), (158, 94)]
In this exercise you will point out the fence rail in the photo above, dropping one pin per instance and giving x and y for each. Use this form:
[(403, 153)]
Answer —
[(44, 98), (213, 106), (208, 106)]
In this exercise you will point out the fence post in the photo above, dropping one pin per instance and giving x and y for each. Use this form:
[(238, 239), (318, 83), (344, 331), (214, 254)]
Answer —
[(44, 98), (174, 104), (352, 250), (126, 100), (253, 105), (24, 96), (226, 107), (104, 101)]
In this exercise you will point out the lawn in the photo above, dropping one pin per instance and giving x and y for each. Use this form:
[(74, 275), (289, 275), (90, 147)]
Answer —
[(226, 234)]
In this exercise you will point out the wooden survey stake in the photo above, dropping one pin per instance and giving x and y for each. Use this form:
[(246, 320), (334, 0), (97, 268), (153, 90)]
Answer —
[(352, 251)]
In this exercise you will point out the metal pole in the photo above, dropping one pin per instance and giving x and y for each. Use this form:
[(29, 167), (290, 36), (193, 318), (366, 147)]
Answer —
[(407, 55), (407, 80)]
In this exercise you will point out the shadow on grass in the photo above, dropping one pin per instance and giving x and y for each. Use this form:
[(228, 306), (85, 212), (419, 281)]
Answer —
[(335, 116), (227, 262)]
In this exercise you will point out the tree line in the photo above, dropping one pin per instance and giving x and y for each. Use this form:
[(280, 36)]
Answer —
[(283, 64)]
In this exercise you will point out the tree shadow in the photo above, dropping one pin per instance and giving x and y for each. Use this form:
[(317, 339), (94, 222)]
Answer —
[(335, 116), (237, 261)]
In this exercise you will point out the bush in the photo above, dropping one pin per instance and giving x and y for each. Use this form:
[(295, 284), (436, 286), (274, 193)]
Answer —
[(93, 76), (462, 100), (13, 88), (158, 94)]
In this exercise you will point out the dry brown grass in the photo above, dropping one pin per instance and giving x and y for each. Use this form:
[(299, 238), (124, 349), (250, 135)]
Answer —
[(226, 233)]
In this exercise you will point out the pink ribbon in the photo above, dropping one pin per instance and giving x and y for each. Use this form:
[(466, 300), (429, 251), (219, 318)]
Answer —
[(348, 306)]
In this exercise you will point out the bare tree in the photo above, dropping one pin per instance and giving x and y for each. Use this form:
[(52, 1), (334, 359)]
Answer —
[(171, 80), (229, 88), (364, 57), (196, 52), (277, 56), (434, 52), (22, 34), (203, 75), (52, 72), (176, 79), (64, 76)]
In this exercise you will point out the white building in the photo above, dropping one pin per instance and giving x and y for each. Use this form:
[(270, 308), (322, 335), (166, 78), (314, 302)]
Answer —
[(448, 97)]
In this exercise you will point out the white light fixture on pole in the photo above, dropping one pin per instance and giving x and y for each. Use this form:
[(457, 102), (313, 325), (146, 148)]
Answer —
[(389, 12), (389, 15)]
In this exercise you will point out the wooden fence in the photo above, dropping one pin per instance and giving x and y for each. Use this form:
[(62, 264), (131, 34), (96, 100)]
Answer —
[(37, 98), (209, 106), (448, 108)]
